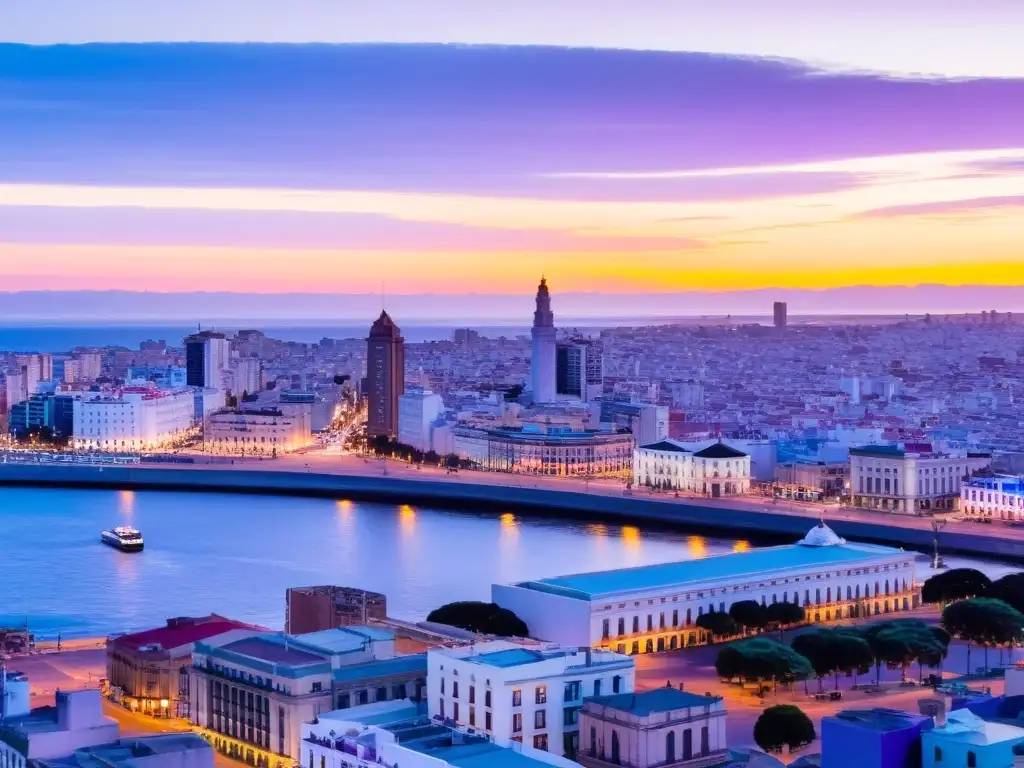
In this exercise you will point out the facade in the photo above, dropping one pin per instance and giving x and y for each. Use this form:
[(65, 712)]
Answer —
[(83, 366), (779, 314), (28, 415), (811, 480), (253, 431), (133, 419), (249, 692), (661, 728), (539, 450), (143, 667), (909, 479), (17, 388), (579, 369), (648, 422), (989, 496), (207, 354), (654, 608), (385, 376), (417, 412), (543, 355), (871, 738), (399, 734), (526, 694), (76, 721), (313, 609), (247, 375), (718, 470)]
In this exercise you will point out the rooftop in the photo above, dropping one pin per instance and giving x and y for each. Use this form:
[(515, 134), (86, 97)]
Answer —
[(179, 632), (813, 552), (880, 718), (664, 445), (658, 700), (719, 451), (126, 751), (262, 648), (510, 657), (966, 727), (399, 665)]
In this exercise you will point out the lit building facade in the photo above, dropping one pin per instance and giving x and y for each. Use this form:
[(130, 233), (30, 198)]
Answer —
[(249, 693), (247, 375), (207, 355), (133, 419), (251, 431), (543, 363), (717, 470), (535, 450), (417, 412), (531, 694), (647, 421), (660, 728), (993, 497), (579, 369), (654, 608), (385, 376), (909, 479)]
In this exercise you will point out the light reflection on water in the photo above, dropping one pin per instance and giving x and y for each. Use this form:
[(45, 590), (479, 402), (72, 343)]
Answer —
[(236, 555)]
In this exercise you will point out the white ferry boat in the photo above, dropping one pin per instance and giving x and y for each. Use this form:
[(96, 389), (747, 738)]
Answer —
[(124, 537)]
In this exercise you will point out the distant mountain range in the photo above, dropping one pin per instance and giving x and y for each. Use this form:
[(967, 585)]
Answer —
[(55, 307)]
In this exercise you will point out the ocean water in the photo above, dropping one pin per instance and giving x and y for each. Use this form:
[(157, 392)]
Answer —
[(63, 338)]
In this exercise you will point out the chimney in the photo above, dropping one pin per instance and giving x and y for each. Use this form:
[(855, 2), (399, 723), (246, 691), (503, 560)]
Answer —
[(935, 708)]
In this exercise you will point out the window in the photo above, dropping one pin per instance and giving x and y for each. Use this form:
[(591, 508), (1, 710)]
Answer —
[(472, 716), (616, 684), (517, 722), (597, 687), (622, 627), (343, 701), (636, 624), (570, 715), (572, 690), (455, 711), (517, 698), (542, 694), (487, 697), (675, 618), (540, 719), (472, 694), (382, 693), (972, 760), (605, 629), (487, 721), (441, 708), (540, 742), (661, 621), (442, 686), (455, 689), (317, 687)]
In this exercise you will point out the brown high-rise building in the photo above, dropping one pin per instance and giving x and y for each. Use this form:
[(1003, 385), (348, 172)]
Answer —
[(385, 376), (312, 609), (779, 312)]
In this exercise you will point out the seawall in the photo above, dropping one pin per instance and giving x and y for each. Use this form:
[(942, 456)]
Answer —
[(778, 524)]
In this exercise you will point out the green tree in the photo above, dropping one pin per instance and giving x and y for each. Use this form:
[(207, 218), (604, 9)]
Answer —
[(954, 584), (761, 659), (983, 621), (819, 648), (749, 614), (485, 618), (718, 624), (341, 378), (783, 725), (785, 614), (853, 655), (1009, 589)]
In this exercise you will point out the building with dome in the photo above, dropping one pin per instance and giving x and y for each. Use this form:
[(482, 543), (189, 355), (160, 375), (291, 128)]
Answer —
[(655, 607)]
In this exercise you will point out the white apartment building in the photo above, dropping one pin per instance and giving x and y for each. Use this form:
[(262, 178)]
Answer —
[(252, 431), (417, 412), (132, 419), (909, 478), (717, 470), (90, 366), (216, 361), (991, 496), (660, 728), (247, 373), (654, 608), (531, 694), (16, 389)]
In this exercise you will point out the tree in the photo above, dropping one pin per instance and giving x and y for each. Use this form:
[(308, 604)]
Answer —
[(718, 624), (749, 614), (761, 659), (485, 618), (784, 614), (1009, 589), (983, 621), (853, 653), (514, 392), (271, 384), (341, 378), (955, 584), (783, 725)]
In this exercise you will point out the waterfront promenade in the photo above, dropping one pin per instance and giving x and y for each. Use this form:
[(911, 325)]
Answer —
[(341, 476)]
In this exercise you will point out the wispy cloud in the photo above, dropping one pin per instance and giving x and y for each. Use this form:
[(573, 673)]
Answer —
[(944, 207)]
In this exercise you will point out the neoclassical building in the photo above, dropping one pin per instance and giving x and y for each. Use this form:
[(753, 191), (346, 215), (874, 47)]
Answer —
[(655, 607), (544, 450), (717, 470)]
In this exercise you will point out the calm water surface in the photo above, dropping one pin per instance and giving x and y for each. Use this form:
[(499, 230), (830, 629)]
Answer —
[(236, 555)]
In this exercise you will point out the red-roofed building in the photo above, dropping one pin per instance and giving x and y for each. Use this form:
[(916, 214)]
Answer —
[(143, 667)]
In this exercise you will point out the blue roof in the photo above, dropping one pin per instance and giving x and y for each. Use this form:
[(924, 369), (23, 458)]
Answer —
[(752, 564), (658, 700), (510, 657), (342, 639), (400, 665), (480, 754)]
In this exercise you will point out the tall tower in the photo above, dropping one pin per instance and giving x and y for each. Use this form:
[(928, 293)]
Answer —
[(385, 376), (543, 358), (780, 312)]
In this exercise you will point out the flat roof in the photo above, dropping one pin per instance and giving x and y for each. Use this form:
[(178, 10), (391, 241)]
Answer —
[(755, 563), (264, 649), (399, 665), (510, 657)]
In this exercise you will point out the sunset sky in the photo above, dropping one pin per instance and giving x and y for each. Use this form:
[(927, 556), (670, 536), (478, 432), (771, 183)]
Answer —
[(664, 146)]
